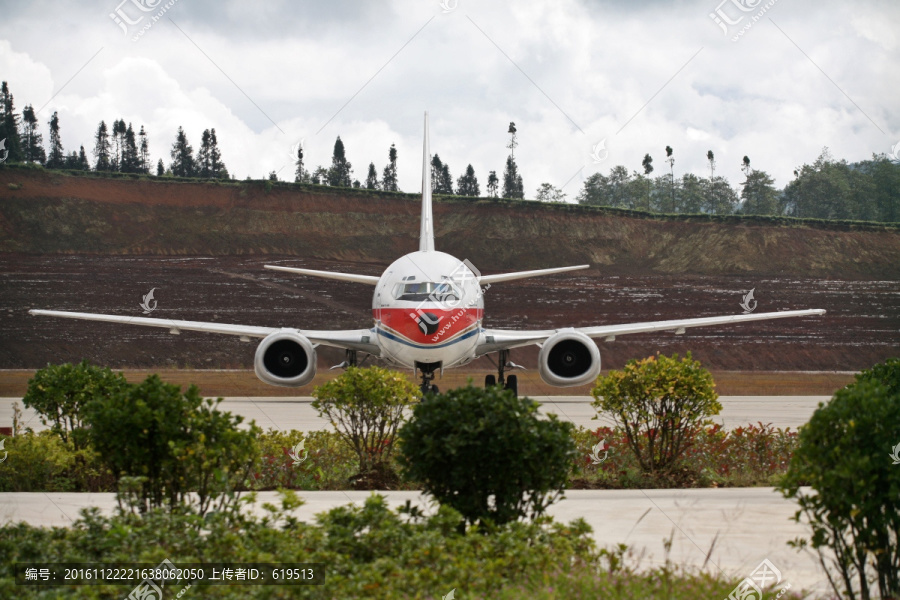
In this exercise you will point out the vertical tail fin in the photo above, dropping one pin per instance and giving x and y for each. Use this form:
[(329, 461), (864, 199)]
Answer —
[(426, 233)]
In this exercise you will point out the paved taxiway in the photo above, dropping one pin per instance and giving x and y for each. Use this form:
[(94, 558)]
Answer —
[(284, 413)]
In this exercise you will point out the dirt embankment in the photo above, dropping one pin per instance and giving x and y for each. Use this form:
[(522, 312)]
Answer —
[(43, 212)]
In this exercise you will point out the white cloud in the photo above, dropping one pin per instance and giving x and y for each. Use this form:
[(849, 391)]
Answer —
[(573, 74)]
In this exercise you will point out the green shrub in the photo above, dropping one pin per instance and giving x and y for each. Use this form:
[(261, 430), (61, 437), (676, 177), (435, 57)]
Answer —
[(178, 442), (36, 462), (886, 373), (59, 394), (366, 407), (662, 403), (845, 455), (369, 552), (487, 454)]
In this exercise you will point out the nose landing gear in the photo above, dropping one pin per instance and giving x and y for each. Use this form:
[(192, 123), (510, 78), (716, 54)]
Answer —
[(427, 370)]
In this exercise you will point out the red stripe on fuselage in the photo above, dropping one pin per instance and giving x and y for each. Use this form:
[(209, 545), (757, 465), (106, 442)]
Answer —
[(429, 325)]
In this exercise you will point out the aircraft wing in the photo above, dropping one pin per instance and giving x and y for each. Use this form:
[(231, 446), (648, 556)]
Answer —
[(352, 339), (493, 340)]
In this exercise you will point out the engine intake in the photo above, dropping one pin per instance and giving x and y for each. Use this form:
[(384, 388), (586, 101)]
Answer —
[(285, 358), (569, 358)]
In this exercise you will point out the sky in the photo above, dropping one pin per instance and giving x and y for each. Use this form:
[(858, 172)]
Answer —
[(589, 84)]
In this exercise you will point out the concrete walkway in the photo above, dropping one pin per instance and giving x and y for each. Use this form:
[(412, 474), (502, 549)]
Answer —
[(737, 527), (286, 413)]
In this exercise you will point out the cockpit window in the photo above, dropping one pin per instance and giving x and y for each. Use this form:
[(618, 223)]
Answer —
[(426, 290)]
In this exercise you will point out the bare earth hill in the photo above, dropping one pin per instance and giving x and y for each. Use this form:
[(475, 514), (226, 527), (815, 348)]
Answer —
[(76, 242), (52, 212)]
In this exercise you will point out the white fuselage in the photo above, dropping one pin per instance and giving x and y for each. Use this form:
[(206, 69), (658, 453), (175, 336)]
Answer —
[(428, 308)]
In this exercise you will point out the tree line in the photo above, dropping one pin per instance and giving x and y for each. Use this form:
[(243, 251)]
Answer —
[(340, 174), (867, 190), (116, 149), (826, 189)]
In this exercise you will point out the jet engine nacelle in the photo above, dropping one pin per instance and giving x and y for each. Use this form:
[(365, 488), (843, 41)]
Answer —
[(569, 358), (285, 358)]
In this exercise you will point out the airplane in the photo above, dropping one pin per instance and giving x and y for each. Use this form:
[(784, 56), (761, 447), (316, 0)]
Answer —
[(428, 309)]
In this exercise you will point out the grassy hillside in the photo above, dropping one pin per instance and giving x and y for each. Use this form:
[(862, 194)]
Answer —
[(56, 212)]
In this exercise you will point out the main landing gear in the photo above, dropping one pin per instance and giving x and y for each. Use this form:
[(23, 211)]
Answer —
[(427, 370), (509, 383)]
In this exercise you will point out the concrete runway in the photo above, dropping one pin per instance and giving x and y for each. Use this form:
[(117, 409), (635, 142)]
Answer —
[(742, 526), (283, 413)]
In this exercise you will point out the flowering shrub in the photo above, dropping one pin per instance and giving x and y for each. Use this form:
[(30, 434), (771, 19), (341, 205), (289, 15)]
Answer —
[(328, 464), (746, 456)]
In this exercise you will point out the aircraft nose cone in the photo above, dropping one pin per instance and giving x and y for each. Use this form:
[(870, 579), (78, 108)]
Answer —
[(428, 322)]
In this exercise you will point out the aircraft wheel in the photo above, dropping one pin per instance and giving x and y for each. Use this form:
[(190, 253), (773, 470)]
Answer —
[(489, 381), (512, 383), (435, 390)]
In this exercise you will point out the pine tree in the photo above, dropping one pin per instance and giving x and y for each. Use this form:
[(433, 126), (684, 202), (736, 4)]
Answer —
[(389, 175), (182, 156), (216, 166), (339, 174), (446, 180), (372, 178), (57, 157), (467, 184), (492, 184), (437, 167), (9, 126), (512, 181), (32, 140), (160, 168), (203, 162), (118, 140), (101, 148), (83, 162), (145, 151), (131, 160), (301, 175)]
